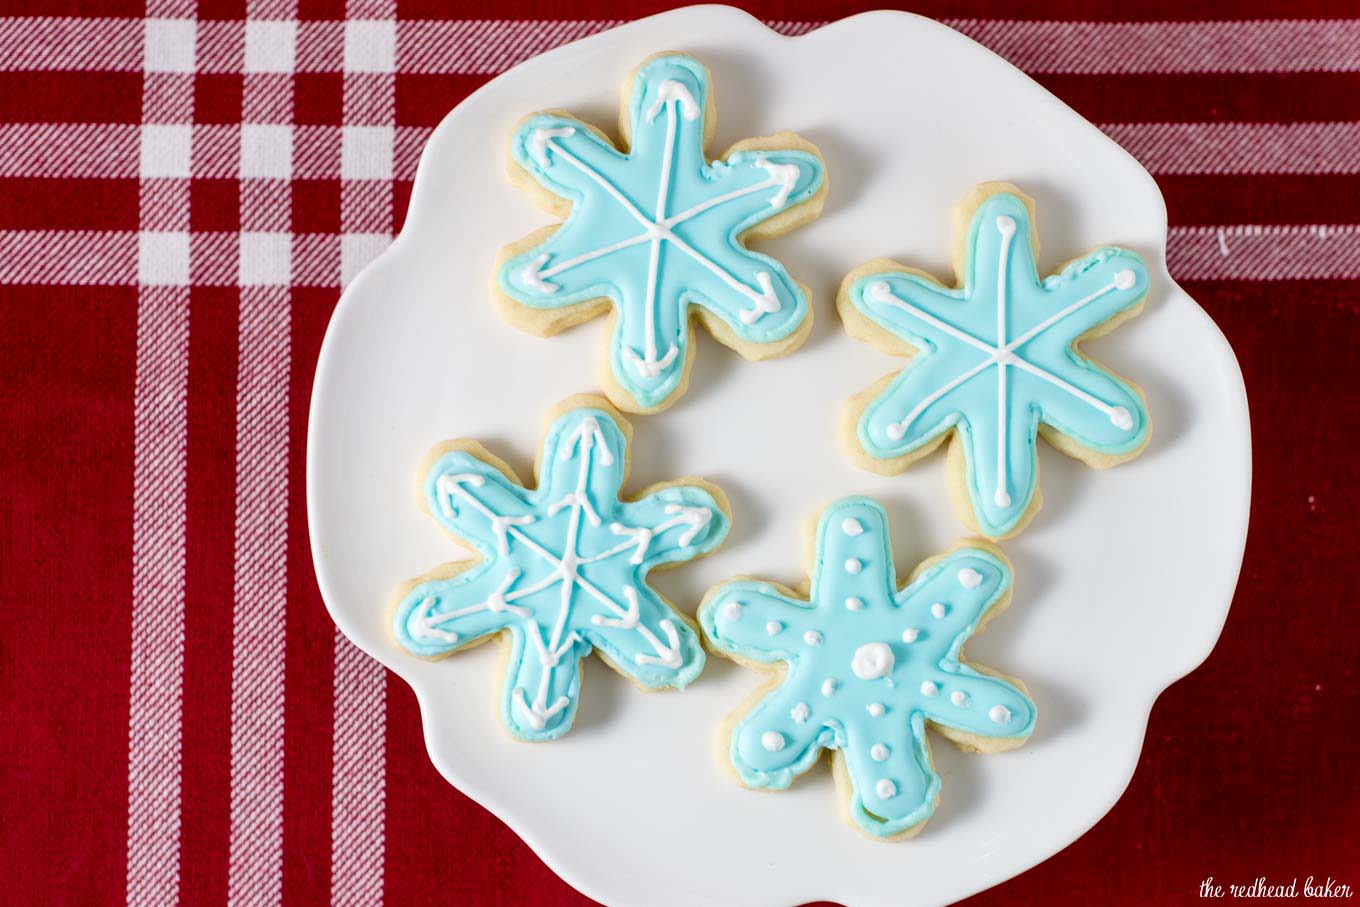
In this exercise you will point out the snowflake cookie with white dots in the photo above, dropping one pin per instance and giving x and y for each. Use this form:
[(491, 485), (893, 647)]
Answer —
[(995, 362), (655, 233), (561, 568), (865, 666)]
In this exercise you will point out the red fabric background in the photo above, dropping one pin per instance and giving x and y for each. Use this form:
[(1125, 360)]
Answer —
[(1249, 767)]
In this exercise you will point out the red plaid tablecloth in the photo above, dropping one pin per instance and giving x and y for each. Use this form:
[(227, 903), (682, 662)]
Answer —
[(184, 189)]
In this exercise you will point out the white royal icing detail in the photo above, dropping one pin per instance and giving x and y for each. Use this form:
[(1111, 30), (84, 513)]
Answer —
[(1000, 714), (773, 627), (872, 661), (878, 752), (541, 141), (969, 578), (959, 698), (929, 688), (671, 90), (785, 176), (910, 634), (732, 610), (800, 712), (812, 638), (885, 789), (1125, 279), (854, 603), (829, 687), (938, 611), (772, 741), (851, 526), (876, 709), (854, 565)]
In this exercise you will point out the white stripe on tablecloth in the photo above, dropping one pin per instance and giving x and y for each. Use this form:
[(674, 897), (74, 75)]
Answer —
[(1226, 148), (492, 45), (156, 259), (358, 778), (108, 151), (1260, 252), (260, 608), (155, 710), (359, 688), (260, 586), (1253, 252), (1121, 48)]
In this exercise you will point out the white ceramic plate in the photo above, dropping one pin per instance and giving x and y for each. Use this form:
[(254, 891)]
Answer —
[(1123, 581)]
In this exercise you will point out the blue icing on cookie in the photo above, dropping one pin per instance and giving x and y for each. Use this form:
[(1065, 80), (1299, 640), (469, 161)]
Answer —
[(996, 360), (657, 230), (867, 667), (563, 570)]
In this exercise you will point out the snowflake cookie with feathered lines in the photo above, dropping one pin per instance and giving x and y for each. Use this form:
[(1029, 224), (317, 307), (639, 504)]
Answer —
[(996, 362), (866, 667), (563, 567), (657, 231)]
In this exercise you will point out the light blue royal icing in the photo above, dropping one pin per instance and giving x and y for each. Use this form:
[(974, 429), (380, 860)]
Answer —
[(656, 230), (563, 570), (868, 666), (996, 360)]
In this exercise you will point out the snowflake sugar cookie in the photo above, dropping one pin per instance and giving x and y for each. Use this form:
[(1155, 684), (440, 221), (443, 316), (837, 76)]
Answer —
[(995, 362), (563, 567), (866, 666), (656, 233)]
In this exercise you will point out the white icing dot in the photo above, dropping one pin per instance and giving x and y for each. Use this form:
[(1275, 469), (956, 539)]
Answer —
[(895, 431), (853, 565), (959, 698), (732, 610), (1121, 418), (1000, 714), (1005, 225), (800, 712), (772, 741), (885, 789), (1002, 498), (829, 687), (938, 610), (969, 578), (851, 526), (1124, 279), (878, 752), (812, 638), (876, 709), (773, 627), (910, 634), (872, 661), (854, 603), (930, 688), (879, 290)]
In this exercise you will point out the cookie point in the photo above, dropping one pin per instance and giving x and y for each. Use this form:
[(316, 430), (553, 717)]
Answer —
[(1005, 225), (1124, 279), (1002, 498), (895, 431), (1121, 418)]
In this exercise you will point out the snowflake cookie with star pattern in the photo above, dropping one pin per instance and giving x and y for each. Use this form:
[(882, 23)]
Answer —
[(655, 234), (865, 666), (561, 568), (995, 362)]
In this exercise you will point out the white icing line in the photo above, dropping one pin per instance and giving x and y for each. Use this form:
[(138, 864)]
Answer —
[(1005, 225)]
